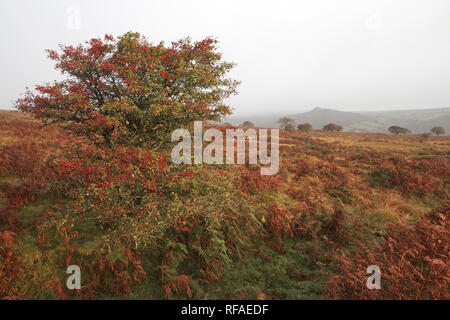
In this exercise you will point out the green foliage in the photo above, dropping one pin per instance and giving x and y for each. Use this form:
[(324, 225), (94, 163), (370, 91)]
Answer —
[(247, 124), (287, 123), (289, 127), (129, 92), (381, 177), (214, 233), (131, 194), (437, 130), (304, 127), (397, 130), (332, 127)]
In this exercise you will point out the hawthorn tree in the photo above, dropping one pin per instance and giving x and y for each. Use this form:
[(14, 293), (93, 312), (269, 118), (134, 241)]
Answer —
[(437, 130), (128, 91), (126, 96), (304, 126), (287, 123), (247, 124), (332, 127), (397, 130)]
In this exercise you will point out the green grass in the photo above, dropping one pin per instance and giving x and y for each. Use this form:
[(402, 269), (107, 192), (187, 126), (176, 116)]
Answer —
[(254, 275)]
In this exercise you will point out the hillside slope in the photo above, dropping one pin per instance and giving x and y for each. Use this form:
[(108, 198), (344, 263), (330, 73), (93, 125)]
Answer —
[(288, 236), (418, 121)]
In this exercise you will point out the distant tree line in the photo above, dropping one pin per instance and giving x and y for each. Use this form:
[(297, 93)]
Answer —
[(400, 130), (288, 124)]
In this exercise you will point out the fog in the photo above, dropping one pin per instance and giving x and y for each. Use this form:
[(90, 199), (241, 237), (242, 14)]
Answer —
[(291, 55)]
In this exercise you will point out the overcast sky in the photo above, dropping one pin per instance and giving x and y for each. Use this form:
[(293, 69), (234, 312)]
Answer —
[(291, 55)]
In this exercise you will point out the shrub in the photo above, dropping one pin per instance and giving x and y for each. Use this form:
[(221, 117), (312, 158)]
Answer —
[(247, 124), (289, 127), (304, 127), (438, 130), (332, 127), (129, 193), (131, 92), (126, 96), (287, 123), (397, 130)]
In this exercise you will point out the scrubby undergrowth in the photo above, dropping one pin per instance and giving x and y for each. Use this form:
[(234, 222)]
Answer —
[(341, 202)]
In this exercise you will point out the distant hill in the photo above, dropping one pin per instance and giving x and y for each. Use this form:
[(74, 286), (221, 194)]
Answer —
[(319, 117), (418, 121)]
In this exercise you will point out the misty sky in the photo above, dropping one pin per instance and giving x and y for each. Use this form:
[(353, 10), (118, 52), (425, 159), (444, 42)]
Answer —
[(291, 55)]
